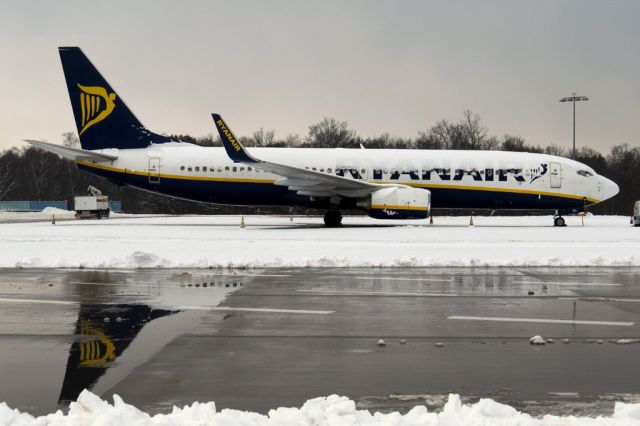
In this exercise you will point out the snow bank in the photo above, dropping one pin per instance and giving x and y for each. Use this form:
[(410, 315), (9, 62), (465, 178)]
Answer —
[(275, 241), (55, 210), (333, 410)]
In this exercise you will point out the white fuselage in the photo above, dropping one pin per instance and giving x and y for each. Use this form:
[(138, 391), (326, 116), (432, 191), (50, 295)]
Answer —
[(470, 179)]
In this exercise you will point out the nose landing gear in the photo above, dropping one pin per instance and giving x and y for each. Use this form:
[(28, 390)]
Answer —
[(332, 218), (559, 221)]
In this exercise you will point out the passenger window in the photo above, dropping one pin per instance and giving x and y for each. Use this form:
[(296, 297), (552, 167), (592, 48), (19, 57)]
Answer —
[(328, 170), (362, 171), (204, 168), (226, 168), (242, 169), (189, 169), (197, 169), (313, 168), (235, 169), (219, 169), (181, 167), (248, 169), (322, 170)]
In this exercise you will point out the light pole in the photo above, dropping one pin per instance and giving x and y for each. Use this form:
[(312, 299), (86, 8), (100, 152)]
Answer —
[(573, 98)]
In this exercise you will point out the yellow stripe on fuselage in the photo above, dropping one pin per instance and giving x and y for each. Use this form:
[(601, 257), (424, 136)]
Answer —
[(412, 184), (413, 208), (166, 176), (491, 189)]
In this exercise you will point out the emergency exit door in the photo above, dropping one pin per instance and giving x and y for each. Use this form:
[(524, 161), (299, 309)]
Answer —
[(154, 170), (555, 175)]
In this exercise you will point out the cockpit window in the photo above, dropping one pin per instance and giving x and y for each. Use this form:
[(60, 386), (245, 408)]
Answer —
[(585, 173)]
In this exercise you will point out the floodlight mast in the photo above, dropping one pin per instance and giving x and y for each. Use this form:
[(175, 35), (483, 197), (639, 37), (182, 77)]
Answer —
[(573, 98)]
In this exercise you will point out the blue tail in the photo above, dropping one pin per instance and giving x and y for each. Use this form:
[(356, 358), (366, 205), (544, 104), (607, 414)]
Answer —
[(102, 118)]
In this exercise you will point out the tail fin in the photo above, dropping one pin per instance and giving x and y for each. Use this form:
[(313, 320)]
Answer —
[(102, 118), (231, 144)]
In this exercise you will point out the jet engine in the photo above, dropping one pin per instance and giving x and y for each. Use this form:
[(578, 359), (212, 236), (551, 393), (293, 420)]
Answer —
[(397, 202)]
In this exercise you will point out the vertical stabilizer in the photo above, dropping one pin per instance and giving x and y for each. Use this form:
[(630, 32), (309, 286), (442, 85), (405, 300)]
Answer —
[(102, 118)]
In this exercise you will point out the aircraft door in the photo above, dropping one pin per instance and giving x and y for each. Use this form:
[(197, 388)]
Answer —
[(154, 170), (555, 173)]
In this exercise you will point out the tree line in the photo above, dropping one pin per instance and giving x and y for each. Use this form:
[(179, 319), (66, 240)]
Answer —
[(29, 173)]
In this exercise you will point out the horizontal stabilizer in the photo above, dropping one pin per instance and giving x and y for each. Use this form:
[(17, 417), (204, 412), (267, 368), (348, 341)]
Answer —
[(75, 154)]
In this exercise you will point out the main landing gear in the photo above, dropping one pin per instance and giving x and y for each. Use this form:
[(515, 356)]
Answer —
[(332, 218), (558, 221)]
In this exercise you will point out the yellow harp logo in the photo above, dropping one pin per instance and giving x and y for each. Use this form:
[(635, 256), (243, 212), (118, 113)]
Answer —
[(97, 351), (95, 104)]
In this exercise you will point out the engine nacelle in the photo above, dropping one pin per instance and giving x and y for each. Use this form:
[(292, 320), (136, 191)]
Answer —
[(398, 203)]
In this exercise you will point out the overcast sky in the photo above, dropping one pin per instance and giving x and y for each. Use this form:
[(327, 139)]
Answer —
[(383, 66)]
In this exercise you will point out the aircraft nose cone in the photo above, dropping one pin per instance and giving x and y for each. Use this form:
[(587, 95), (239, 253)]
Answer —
[(610, 188)]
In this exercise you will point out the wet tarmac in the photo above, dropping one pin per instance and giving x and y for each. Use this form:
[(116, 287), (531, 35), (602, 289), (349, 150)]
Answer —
[(254, 340)]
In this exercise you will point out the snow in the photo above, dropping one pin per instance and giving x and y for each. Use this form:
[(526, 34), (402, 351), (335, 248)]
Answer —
[(537, 340), (626, 341), (333, 410), (54, 210), (128, 241), (45, 215)]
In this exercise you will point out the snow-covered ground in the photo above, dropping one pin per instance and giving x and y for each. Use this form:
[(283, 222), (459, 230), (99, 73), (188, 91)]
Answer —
[(276, 241), (330, 411), (47, 214)]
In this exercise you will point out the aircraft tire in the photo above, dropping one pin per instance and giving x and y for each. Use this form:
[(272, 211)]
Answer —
[(332, 218), (559, 221)]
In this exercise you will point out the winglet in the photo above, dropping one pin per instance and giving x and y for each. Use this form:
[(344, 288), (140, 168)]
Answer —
[(234, 148)]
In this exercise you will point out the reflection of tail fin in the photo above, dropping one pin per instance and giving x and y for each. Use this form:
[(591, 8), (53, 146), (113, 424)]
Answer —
[(102, 118), (102, 342)]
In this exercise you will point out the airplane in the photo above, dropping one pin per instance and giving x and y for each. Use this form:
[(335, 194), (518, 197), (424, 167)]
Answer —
[(384, 183)]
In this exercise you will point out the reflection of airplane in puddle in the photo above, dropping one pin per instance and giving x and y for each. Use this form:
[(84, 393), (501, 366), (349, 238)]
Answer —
[(107, 331), (97, 359), (112, 340)]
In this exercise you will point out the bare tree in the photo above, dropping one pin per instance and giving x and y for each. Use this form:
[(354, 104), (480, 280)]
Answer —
[(38, 167), (8, 176), (513, 143), (209, 140), (443, 135), (330, 133), (386, 140), (292, 140), (71, 140), (474, 133), (262, 137), (556, 150)]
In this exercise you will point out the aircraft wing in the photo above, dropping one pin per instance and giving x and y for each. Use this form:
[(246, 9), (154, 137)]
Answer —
[(303, 181), (75, 154)]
